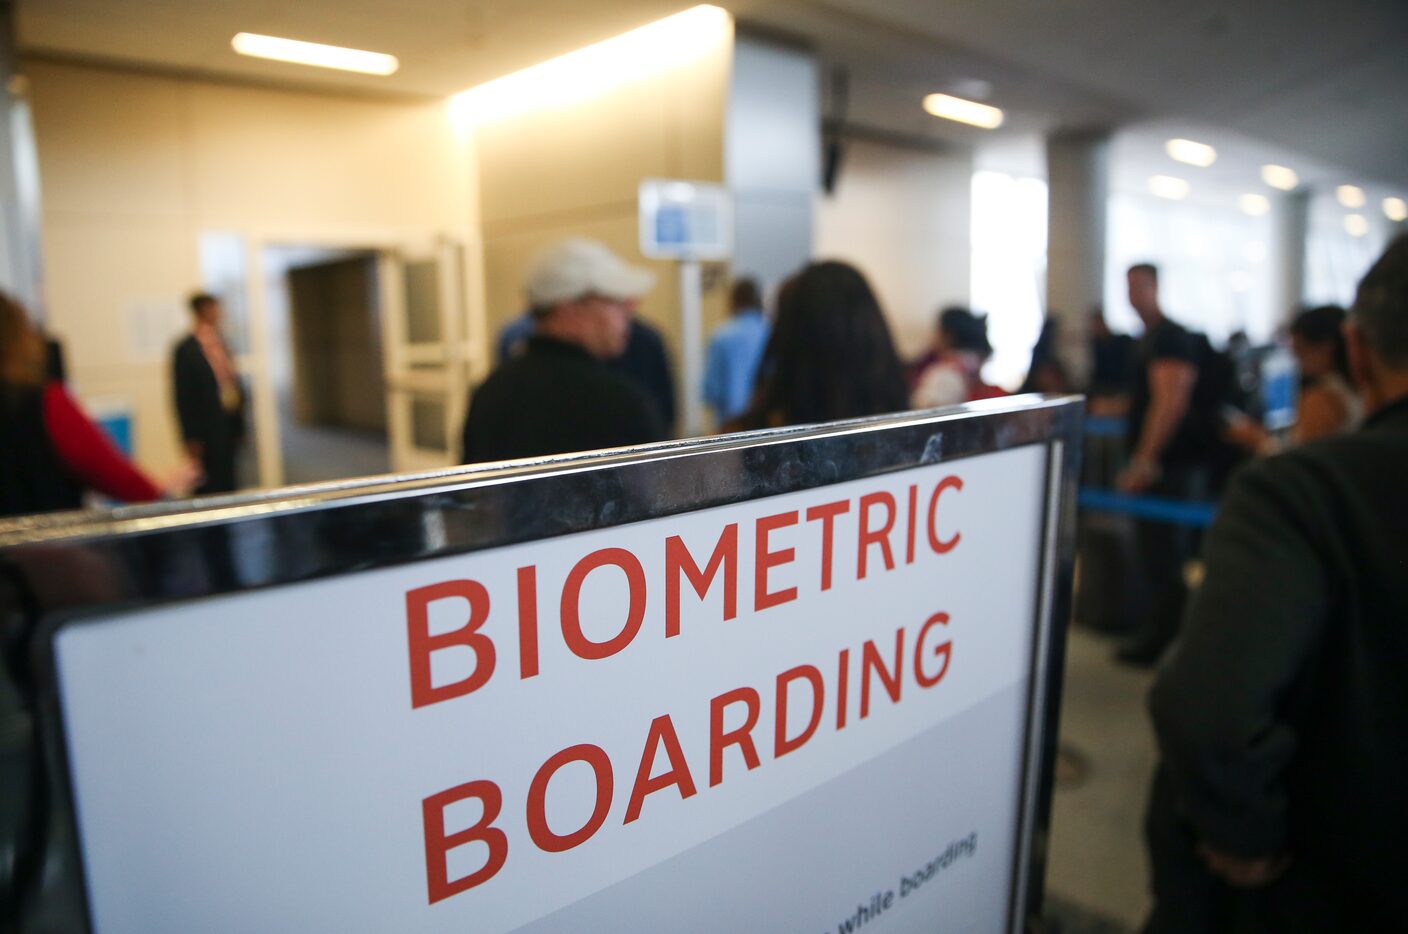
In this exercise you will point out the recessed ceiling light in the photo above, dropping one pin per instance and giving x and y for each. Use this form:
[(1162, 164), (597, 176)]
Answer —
[(1355, 225), (1187, 151), (1351, 196), (314, 53), (1395, 209), (1278, 176), (964, 111), (1254, 205), (1166, 186)]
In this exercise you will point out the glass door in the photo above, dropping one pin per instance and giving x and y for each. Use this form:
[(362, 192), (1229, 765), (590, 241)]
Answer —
[(426, 352)]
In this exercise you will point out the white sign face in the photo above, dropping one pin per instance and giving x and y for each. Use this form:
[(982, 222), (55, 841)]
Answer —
[(800, 713), (685, 220)]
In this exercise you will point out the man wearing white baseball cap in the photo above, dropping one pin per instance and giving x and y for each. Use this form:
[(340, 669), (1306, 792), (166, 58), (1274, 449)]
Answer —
[(556, 396)]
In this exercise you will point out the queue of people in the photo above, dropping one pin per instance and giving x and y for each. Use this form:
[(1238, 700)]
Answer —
[(828, 354), (1279, 706)]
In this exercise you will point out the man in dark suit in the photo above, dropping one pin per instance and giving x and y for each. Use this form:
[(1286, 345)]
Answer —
[(1282, 714), (209, 398)]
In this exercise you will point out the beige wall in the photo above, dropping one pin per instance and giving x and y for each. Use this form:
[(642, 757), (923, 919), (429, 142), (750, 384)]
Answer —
[(554, 173), (902, 216), (135, 167)]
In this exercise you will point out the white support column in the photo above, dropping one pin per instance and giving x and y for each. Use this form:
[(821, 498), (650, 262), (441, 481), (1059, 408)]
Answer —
[(1077, 165), (1290, 221), (692, 340), (20, 267)]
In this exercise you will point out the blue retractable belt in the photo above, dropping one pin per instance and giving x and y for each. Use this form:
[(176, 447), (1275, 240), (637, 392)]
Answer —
[(1158, 508), (1105, 426)]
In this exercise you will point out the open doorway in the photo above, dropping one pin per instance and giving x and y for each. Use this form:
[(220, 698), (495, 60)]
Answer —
[(324, 316)]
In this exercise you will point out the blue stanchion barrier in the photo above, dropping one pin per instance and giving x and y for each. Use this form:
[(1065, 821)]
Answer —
[(1158, 508), (1104, 426)]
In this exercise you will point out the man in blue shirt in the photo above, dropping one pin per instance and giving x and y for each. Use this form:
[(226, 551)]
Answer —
[(735, 352)]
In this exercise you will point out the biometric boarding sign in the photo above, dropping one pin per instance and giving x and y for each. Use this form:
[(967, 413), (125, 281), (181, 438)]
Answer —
[(810, 710)]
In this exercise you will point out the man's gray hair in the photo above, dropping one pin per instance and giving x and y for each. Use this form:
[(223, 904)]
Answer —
[(1381, 305)]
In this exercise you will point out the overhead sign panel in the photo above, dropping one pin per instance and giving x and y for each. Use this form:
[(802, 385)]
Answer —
[(685, 220)]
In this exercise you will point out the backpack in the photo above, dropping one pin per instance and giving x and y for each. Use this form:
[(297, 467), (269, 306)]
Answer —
[(1217, 388)]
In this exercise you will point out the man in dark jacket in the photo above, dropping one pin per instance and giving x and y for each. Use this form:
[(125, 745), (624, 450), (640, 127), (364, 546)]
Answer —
[(209, 398), (558, 396), (1282, 715)]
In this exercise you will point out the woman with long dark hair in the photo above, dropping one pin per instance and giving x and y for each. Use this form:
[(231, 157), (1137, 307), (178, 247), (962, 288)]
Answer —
[(1327, 404), (830, 355), (1047, 373)]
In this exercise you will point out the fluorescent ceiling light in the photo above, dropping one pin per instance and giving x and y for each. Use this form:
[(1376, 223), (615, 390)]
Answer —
[(1185, 150), (1395, 209), (314, 53), (1278, 176), (1350, 196), (964, 111), (1166, 186), (1355, 225), (589, 72), (1254, 205)]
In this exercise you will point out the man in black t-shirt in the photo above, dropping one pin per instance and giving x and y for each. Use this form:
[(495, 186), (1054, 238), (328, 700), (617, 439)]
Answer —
[(558, 396), (1165, 460)]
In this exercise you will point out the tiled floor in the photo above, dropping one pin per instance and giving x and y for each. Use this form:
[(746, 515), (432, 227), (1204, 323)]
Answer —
[(1097, 861), (315, 452)]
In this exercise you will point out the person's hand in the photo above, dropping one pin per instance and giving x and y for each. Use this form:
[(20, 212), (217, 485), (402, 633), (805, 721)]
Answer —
[(1246, 434), (1107, 406), (1138, 476), (1242, 872), (183, 479)]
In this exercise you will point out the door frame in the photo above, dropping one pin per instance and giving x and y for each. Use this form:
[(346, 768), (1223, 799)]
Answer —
[(465, 352)]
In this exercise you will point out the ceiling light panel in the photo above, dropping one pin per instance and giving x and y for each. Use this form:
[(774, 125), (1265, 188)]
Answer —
[(314, 53), (1278, 176), (1191, 153), (1350, 196), (589, 72), (1254, 205), (1395, 209), (960, 110), (1166, 186)]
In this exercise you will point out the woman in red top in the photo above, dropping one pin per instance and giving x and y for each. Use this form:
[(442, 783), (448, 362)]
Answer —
[(50, 451)]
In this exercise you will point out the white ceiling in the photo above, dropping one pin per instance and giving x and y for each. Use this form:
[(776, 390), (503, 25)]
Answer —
[(444, 46), (1327, 80)]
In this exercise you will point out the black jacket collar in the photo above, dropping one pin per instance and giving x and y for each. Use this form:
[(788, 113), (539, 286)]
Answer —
[(542, 344), (1395, 413)]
